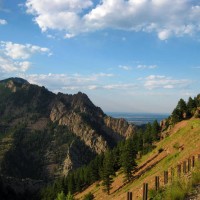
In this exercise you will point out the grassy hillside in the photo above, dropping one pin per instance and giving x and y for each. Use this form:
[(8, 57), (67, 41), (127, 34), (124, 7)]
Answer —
[(182, 142)]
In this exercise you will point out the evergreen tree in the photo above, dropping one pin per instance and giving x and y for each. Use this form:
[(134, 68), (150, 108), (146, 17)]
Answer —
[(107, 172), (176, 116), (155, 130), (128, 159), (147, 134), (191, 105), (182, 106)]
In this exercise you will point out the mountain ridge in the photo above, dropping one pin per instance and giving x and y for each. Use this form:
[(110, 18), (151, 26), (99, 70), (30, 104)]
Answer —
[(34, 113)]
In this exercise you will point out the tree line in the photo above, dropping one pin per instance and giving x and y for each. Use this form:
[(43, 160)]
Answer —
[(186, 110)]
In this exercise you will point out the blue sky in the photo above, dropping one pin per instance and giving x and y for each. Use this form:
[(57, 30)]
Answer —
[(126, 55)]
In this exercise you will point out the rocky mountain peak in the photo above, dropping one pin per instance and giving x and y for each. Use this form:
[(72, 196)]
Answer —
[(14, 83)]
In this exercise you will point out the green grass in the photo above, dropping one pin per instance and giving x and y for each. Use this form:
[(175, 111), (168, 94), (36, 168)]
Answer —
[(179, 189)]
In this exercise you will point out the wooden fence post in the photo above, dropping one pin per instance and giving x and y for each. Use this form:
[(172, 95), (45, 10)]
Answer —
[(184, 167), (157, 184), (172, 174), (179, 170), (189, 164), (145, 191), (129, 196), (165, 177), (193, 161)]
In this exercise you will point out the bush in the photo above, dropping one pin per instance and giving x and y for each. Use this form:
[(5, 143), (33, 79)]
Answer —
[(176, 145), (89, 196), (156, 195)]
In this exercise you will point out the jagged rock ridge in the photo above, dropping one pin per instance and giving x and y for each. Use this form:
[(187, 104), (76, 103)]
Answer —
[(72, 128)]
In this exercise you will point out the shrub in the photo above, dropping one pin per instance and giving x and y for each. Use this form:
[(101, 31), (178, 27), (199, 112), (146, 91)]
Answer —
[(89, 196), (176, 145)]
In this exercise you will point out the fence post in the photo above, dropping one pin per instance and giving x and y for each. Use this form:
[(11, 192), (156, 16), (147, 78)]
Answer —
[(127, 195), (145, 191), (172, 174), (157, 184), (189, 164), (199, 157), (184, 167), (130, 196), (179, 170), (193, 161), (165, 177)]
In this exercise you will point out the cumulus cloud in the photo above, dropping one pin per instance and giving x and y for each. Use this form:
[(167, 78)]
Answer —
[(77, 16), (13, 56), (3, 22), (21, 51), (8, 65), (157, 81)]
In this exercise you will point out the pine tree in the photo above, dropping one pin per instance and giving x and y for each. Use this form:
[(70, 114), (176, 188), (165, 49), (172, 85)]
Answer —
[(155, 130), (147, 134), (191, 105), (128, 159), (107, 172), (176, 116)]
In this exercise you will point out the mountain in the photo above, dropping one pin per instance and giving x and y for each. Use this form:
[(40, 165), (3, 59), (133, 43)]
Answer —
[(45, 135)]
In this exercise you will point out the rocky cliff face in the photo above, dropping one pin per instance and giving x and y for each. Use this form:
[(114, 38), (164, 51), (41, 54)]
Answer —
[(72, 128)]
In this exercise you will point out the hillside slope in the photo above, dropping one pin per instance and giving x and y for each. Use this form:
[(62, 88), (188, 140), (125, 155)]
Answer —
[(44, 135), (182, 142)]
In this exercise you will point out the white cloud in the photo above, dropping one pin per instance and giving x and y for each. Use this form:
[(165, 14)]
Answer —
[(13, 56), (20, 51), (7, 65), (164, 17), (68, 36), (76, 82), (3, 22), (147, 66), (124, 67), (64, 80), (120, 86), (156, 81), (164, 34)]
